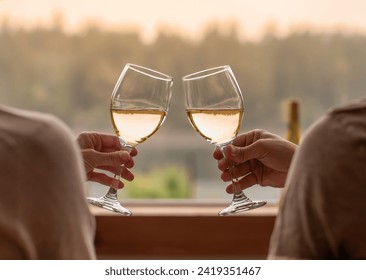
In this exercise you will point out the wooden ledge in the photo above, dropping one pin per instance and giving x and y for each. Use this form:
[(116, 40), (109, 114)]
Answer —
[(183, 231)]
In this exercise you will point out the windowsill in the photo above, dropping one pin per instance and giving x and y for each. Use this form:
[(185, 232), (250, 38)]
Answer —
[(183, 230), (184, 207)]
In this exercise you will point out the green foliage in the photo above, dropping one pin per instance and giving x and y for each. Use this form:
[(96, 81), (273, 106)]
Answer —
[(169, 182)]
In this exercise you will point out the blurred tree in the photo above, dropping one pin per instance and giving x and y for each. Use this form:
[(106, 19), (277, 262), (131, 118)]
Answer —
[(73, 75)]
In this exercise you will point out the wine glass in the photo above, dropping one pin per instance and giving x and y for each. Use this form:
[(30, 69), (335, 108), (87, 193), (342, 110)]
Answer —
[(215, 108), (139, 105)]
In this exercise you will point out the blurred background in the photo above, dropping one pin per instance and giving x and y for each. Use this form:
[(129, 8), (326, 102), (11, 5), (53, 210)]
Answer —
[(64, 57)]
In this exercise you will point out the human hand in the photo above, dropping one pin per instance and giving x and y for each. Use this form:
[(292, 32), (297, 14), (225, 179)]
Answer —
[(103, 151), (259, 157)]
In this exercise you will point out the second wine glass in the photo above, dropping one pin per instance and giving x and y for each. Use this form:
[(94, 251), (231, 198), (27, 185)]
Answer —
[(215, 109), (139, 105)]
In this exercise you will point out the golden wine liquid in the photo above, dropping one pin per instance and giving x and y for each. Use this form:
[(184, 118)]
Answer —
[(217, 126), (135, 126)]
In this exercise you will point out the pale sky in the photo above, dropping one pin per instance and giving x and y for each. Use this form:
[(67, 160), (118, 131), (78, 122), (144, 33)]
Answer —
[(190, 16)]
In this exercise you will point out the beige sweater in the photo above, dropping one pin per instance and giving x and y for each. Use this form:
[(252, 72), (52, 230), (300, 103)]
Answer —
[(323, 215), (43, 212)]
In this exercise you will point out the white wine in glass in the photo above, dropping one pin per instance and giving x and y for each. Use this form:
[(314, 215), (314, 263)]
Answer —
[(139, 105), (215, 109), (136, 126), (206, 123)]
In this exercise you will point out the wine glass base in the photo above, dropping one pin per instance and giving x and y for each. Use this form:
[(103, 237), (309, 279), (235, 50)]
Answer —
[(109, 204), (241, 206)]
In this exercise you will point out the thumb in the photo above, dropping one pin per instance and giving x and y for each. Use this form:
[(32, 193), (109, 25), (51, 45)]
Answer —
[(242, 154), (111, 159), (94, 158)]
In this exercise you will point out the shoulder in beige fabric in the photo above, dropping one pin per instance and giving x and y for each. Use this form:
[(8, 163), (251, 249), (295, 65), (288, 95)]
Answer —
[(324, 214), (43, 213)]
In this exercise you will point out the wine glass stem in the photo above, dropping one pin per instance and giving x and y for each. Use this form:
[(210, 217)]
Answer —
[(235, 182), (112, 193), (117, 177), (237, 191)]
